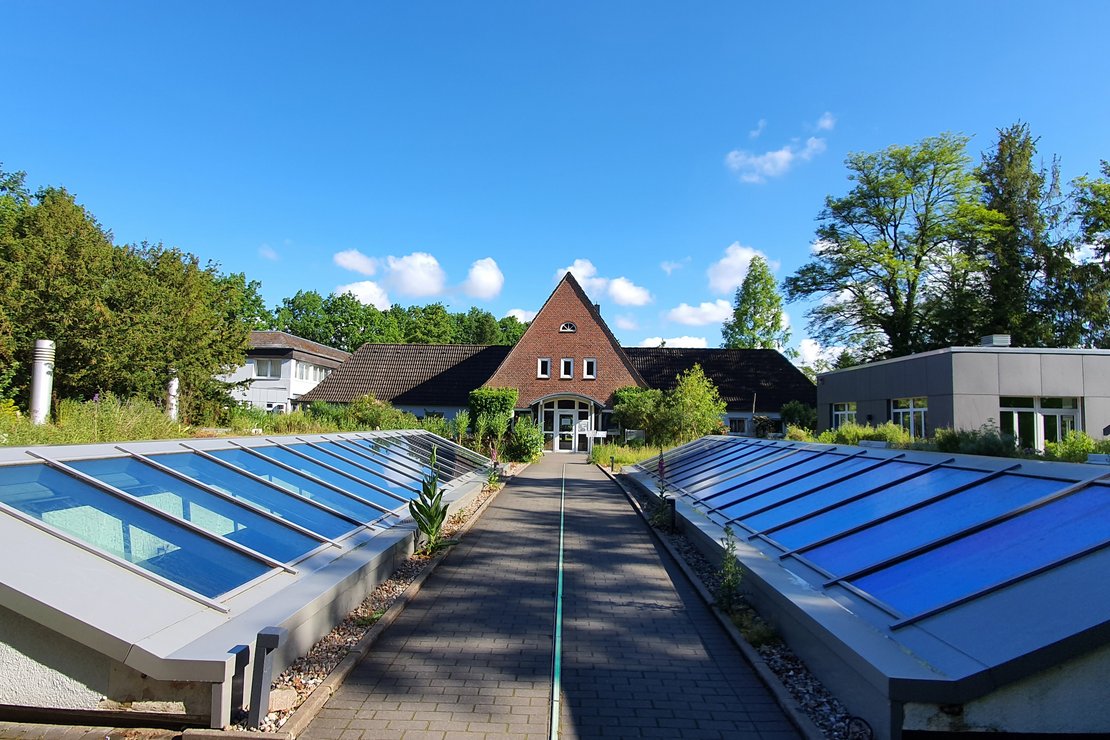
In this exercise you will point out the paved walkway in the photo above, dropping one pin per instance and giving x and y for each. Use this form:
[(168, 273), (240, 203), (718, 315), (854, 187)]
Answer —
[(471, 656)]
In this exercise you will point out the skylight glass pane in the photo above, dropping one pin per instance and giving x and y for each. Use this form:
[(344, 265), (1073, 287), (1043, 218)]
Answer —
[(301, 485), (288, 506), (203, 509), (401, 491), (361, 455), (870, 476), (727, 467), (127, 531), (740, 472), (462, 459), (757, 469), (927, 524), (707, 465), (802, 467), (873, 506), (404, 451), (987, 558)]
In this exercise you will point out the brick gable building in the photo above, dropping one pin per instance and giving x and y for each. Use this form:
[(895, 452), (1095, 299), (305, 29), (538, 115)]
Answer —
[(565, 369)]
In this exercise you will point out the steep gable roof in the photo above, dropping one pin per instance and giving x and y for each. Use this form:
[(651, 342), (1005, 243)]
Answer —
[(739, 374), (411, 374), (545, 337)]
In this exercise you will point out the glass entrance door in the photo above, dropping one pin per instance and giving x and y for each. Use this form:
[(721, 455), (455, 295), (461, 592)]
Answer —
[(566, 433)]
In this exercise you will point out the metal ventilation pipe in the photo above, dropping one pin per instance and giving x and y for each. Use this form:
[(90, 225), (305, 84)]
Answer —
[(173, 388), (42, 380)]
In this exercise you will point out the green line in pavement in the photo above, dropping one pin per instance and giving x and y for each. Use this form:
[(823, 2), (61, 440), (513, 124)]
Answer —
[(557, 647)]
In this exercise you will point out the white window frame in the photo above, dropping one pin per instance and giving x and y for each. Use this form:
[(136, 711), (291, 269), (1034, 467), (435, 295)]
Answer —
[(843, 413), (568, 327), (269, 364), (914, 417), (543, 367), (566, 367), (1041, 413), (589, 368)]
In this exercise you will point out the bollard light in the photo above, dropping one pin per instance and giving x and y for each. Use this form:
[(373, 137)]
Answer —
[(612, 463)]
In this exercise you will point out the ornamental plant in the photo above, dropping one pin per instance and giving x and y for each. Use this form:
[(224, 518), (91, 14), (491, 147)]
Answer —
[(429, 511)]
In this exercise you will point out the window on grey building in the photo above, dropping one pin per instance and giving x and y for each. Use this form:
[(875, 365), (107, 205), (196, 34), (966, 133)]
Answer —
[(843, 413), (264, 368), (911, 414), (737, 425), (1035, 421)]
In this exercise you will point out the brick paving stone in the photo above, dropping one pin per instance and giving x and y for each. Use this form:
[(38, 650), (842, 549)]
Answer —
[(470, 657)]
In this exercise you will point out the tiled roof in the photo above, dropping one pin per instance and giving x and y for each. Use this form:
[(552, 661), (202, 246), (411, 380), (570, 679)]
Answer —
[(737, 373), (280, 340), (411, 374)]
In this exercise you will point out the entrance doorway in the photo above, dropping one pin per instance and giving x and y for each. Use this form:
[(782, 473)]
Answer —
[(565, 442)]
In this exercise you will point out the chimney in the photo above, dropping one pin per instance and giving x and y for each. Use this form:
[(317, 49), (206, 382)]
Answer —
[(995, 340), (597, 307), (42, 380)]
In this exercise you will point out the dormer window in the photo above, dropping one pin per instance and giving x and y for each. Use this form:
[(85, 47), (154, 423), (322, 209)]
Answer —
[(568, 327)]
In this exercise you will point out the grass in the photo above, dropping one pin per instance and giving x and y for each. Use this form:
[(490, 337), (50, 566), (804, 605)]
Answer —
[(624, 454), (106, 419)]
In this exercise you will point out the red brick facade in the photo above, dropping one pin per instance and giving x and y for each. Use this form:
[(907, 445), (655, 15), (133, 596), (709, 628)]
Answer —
[(545, 338)]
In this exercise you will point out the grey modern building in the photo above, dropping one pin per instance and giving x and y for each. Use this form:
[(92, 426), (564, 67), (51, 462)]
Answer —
[(1035, 394)]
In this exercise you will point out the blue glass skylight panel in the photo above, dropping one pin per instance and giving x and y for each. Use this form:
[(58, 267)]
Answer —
[(737, 473), (708, 466), (301, 485), (360, 455), (351, 483), (686, 463), (462, 459), (725, 468), (941, 518), (348, 462), (992, 556), (289, 506), (803, 466), (203, 509), (753, 470), (870, 477), (126, 530), (403, 452), (893, 498)]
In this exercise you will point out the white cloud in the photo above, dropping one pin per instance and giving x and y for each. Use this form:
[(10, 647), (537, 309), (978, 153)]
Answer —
[(756, 168), (669, 267), (726, 274), (696, 342), (756, 132), (826, 122), (625, 323), (586, 275), (484, 279), (521, 315), (626, 293), (702, 314), (417, 274), (267, 252), (356, 261), (368, 292)]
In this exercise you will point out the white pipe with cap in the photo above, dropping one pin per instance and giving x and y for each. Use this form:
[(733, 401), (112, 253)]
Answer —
[(173, 388), (42, 380)]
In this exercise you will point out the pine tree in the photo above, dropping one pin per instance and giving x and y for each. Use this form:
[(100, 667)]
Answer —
[(757, 320)]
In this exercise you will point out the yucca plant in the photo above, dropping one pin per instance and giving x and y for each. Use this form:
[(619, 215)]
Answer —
[(429, 511)]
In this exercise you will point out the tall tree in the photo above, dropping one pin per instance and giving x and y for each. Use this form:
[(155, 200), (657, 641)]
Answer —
[(874, 265), (1087, 324), (1022, 263), (757, 320), (511, 330)]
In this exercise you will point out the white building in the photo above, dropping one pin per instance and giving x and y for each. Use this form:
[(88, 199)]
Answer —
[(281, 368)]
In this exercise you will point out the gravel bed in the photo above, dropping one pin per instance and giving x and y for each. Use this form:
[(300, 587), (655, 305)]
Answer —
[(306, 673), (826, 711)]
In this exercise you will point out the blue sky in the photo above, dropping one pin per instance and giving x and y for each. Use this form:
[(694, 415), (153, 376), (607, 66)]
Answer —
[(470, 152)]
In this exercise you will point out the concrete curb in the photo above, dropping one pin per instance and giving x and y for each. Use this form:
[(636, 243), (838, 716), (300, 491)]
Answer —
[(314, 702), (783, 697)]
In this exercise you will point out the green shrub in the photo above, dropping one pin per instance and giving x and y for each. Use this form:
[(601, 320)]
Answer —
[(1075, 447), (852, 433), (728, 593), (460, 425), (436, 425), (492, 401), (986, 440), (525, 443), (368, 413), (799, 434), (798, 414)]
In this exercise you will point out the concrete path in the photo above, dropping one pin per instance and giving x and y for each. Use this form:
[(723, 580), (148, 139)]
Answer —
[(471, 657)]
